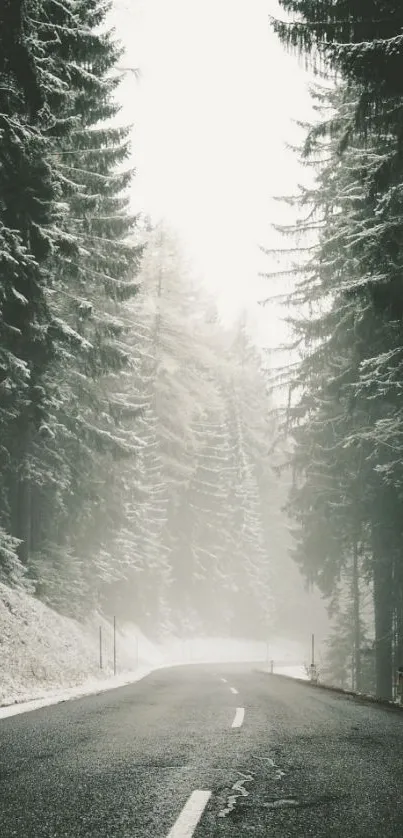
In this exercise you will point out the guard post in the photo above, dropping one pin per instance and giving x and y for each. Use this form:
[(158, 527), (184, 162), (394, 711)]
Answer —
[(399, 684)]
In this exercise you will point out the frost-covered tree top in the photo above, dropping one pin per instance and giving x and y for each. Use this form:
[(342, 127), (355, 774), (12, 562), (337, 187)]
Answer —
[(363, 40)]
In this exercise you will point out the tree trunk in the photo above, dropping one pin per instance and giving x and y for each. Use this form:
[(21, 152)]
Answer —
[(20, 496), (37, 507), (383, 605), (356, 619), (23, 519), (398, 580)]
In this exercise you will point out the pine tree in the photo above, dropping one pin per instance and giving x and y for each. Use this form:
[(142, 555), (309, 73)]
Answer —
[(363, 41), (29, 217), (343, 489), (255, 560), (90, 424), (69, 267)]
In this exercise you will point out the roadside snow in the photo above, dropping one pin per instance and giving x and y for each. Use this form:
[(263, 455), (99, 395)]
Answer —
[(45, 657), (292, 672), (90, 687)]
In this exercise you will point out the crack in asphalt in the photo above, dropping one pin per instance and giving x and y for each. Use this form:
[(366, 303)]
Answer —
[(239, 790), (278, 772), (281, 803)]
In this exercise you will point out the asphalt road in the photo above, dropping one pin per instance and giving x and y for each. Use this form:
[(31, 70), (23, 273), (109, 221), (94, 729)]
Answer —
[(162, 759)]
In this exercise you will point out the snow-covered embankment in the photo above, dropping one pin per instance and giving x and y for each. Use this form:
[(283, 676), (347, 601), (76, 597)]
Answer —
[(47, 657)]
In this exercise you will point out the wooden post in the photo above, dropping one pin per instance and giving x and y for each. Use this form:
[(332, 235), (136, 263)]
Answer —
[(114, 645), (314, 674)]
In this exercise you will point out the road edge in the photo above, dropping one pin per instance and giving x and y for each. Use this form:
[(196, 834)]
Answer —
[(359, 697)]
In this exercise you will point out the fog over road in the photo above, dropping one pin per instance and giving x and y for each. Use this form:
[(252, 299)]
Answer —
[(204, 750)]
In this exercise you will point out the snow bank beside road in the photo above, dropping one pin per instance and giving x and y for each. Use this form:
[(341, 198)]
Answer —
[(88, 687), (292, 672), (47, 657)]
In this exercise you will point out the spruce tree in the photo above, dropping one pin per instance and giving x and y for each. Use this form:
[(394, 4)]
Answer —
[(343, 462), (29, 219)]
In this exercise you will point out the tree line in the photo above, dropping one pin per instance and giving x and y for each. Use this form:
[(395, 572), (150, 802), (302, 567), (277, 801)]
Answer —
[(134, 429), (345, 414), (66, 266)]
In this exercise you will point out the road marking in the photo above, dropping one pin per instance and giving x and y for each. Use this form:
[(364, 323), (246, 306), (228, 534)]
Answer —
[(224, 680), (239, 717), (234, 691), (190, 815)]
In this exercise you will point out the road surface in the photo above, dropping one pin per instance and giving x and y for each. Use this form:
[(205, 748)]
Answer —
[(223, 750)]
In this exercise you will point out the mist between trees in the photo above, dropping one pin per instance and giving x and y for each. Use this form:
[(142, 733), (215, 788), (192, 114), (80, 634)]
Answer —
[(345, 407), (134, 429)]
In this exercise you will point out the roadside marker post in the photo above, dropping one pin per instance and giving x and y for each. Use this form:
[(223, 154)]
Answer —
[(114, 645), (399, 684), (100, 647), (312, 669)]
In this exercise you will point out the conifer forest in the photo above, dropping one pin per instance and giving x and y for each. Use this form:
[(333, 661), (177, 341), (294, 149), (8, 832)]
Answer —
[(151, 462), (345, 408), (133, 428)]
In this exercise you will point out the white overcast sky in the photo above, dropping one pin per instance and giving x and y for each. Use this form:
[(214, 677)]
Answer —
[(212, 112)]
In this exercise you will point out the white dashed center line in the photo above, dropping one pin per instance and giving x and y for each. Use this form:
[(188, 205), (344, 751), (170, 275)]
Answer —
[(239, 717), (190, 815), (234, 691), (224, 680)]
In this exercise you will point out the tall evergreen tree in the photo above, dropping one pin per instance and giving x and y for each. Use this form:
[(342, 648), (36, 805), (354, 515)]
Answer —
[(342, 495), (30, 217), (68, 268), (95, 278), (354, 371)]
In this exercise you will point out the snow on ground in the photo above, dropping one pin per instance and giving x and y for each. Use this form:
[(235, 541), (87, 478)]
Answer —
[(292, 671), (46, 658), (286, 654), (91, 686), (43, 654)]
